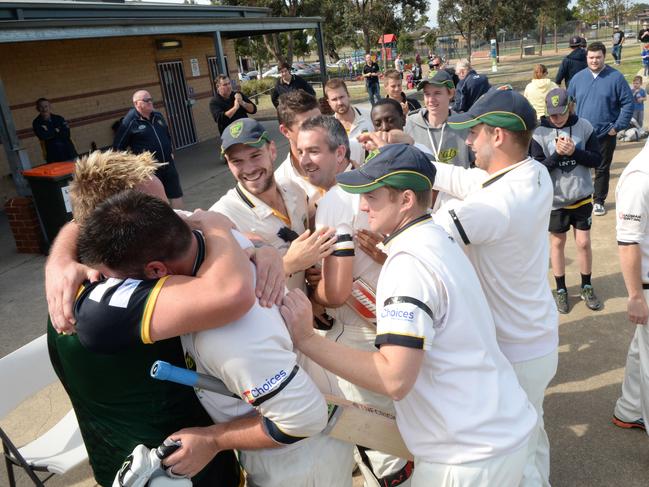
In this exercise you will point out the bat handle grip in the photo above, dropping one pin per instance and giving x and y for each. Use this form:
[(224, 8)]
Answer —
[(162, 370)]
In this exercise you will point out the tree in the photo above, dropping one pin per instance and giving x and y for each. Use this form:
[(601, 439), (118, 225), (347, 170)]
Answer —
[(521, 16), (551, 14), (405, 44), (589, 11)]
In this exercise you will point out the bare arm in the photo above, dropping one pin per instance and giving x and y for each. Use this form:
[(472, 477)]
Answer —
[(221, 292), (630, 262), (335, 286), (392, 371), (63, 276), (200, 445)]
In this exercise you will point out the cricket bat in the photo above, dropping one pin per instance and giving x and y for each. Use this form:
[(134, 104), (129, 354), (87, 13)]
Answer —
[(348, 421), (362, 300)]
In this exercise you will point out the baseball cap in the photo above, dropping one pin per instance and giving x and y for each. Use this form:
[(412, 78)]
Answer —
[(399, 166), (440, 78), (556, 101), (575, 41), (244, 131), (499, 107)]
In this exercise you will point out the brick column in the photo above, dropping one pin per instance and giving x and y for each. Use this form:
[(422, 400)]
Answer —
[(24, 225)]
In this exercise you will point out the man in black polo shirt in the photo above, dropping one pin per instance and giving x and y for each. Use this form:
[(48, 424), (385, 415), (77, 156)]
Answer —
[(54, 134), (145, 130), (227, 106), (289, 82)]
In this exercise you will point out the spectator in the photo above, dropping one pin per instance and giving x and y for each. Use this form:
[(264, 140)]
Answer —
[(538, 88), (399, 65), (643, 34), (289, 82), (145, 130), (470, 87), (639, 97), (416, 73), (394, 89), (371, 72), (618, 40), (604, 99), (227, 106), (645, 58), (54, 134), (568, 147), (572, 63)]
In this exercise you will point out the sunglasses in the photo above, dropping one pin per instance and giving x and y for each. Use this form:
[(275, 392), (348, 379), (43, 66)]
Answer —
[(436, 66), (147, 100)]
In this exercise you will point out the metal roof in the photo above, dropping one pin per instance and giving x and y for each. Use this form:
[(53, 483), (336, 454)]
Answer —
[(23, 22)]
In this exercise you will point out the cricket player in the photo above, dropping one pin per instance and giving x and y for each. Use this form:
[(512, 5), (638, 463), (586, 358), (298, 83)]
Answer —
[(322, 145), (276, 212), (500, 217), (253, 355), (632, 212), (459, 407)]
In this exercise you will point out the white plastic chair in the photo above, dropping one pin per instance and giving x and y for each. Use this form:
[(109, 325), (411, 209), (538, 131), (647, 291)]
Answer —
[(23, 373)]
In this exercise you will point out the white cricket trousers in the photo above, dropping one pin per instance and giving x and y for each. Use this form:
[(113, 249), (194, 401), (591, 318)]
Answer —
[(318, 461), (634, 403), (501, 471), (534, 376)]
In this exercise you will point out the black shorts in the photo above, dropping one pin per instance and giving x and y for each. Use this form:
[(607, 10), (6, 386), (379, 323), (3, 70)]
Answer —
[(170, 180), (562, 219)]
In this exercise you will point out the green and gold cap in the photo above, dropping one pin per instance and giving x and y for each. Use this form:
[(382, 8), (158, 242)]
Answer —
[(400, 166), (244, 131), (499, 107)]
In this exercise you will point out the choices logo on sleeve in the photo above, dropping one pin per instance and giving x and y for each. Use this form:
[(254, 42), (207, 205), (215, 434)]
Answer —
[(397, 313), (256, 392)]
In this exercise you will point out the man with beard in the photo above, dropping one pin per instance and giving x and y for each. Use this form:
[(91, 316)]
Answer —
[(355, 120), (323, 145), (274, 211)]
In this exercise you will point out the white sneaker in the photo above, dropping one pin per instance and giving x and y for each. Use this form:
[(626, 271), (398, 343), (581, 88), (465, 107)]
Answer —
[(599, 210)]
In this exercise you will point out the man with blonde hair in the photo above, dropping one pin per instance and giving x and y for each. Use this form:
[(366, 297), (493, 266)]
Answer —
[(394, 90)]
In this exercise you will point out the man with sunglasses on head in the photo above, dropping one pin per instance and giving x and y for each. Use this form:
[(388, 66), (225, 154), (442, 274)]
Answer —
[(145, 130)]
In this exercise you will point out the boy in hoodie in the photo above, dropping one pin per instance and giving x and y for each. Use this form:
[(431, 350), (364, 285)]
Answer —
[(568, 147), (572, 63)]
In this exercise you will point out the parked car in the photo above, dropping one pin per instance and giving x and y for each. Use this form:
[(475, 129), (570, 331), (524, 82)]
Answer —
[(271, 73), (301, 69), (252, 74)]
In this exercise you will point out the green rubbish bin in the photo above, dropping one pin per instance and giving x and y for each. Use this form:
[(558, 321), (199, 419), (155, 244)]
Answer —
[(50, 185)]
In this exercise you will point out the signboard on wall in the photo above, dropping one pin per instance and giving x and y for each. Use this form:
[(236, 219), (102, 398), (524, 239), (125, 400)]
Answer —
[(196, 70)]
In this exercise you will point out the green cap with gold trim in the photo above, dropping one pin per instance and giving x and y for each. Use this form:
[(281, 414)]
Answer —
[(244, 131), (400, 166), (499, 107)]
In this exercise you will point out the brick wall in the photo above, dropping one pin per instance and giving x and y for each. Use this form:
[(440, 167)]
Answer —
[(91, 81), (24, 225)]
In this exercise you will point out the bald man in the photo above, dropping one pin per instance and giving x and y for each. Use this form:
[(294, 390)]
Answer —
[(143, 129)]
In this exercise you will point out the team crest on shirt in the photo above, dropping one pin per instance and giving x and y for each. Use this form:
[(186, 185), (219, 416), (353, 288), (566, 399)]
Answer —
[(235, 129), (447, 155), (190, 363), (555, 100), (141, 127)]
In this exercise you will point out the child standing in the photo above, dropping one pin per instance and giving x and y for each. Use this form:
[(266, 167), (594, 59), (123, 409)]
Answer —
[(568, 147), (639, 96), (645, 59)]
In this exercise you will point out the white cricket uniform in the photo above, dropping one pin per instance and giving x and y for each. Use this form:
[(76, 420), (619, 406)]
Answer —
[(502, 222), (632, 217), (250, 214), (341, 210), (254, 358), (466, 405), (362, 123)]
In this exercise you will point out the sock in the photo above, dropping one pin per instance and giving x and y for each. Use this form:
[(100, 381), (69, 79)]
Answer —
[(561, 282), (585, 280)]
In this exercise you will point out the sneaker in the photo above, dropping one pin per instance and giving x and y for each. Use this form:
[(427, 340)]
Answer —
[(638, 423), (588, 295), (561, 298), (599, 210)]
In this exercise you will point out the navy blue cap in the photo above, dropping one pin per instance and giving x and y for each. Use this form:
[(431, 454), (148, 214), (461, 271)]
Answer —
[(499, 107), (244, 131), (399, 166)]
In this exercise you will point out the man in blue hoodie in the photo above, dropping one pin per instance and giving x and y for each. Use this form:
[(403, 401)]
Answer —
[(604, 99)]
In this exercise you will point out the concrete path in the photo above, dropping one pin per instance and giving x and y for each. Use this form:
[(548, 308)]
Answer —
[(587, 450)]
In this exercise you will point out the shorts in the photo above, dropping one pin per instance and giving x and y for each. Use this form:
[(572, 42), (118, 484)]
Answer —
[(562, 219), (170, 180)]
